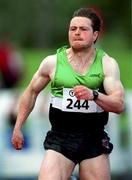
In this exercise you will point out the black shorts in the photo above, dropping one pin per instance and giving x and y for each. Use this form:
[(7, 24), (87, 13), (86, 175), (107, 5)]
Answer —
[(78, 146)]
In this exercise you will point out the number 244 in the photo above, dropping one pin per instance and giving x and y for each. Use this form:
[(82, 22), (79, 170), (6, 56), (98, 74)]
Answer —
[(77, 104)]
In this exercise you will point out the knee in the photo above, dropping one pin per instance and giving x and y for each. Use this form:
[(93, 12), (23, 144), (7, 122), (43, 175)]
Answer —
[(94, 175), (50, 172)]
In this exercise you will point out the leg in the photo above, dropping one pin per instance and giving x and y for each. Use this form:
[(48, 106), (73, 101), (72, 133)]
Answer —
[(97, 168), (55, 166)]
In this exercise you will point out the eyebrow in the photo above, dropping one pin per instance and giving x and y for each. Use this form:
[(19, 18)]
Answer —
[(73, 26)]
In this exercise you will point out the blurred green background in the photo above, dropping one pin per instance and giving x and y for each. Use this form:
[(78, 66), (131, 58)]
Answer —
[(39, 27)]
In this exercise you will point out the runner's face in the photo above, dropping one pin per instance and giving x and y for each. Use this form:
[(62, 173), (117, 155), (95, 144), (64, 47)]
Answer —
[(81, 35)]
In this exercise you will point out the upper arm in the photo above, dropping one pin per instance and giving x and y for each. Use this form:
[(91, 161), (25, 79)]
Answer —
[(112, 82), (43, 75)]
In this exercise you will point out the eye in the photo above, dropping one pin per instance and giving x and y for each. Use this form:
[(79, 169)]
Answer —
[(84, 28), (72, 28)]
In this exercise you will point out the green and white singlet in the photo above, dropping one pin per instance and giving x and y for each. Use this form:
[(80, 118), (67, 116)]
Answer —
[(68, 113)]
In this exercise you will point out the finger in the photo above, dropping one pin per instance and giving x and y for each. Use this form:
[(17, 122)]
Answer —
[(79, 95), (18, 145), (77, 91)]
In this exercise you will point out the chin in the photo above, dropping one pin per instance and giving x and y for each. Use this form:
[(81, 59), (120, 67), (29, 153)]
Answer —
[(78, 47)]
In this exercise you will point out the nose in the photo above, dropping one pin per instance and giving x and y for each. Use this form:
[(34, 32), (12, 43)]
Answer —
[(77, 32)]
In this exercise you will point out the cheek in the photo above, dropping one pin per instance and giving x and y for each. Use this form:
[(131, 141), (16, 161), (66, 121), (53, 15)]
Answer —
[(87, 36), (70, 36)]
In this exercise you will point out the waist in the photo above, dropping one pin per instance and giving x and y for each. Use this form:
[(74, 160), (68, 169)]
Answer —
[(56, 102), (76, 122)]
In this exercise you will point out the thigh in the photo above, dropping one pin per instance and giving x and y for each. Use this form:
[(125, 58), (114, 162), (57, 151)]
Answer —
[(95, 168), (55, 166)]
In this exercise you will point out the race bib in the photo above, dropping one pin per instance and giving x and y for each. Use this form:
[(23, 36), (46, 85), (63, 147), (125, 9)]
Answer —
[(71, 104)]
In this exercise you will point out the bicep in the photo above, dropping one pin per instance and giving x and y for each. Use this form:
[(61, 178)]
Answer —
[(44, 74), (41, 78), (112, 82), (39, 82), (113, 86)]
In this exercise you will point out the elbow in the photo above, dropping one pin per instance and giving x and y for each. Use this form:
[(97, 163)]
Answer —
[(119, 111), (119, 103), (120, 108)]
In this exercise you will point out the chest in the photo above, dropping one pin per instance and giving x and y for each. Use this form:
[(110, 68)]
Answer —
[(66, 76)]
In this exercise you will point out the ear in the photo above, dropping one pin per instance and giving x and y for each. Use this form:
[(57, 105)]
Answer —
[(95, 35)]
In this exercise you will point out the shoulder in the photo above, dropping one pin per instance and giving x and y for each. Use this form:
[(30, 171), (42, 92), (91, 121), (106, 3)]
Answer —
[(51, 59), (48, 62), (108, 59), (47, 65), (110, 64)]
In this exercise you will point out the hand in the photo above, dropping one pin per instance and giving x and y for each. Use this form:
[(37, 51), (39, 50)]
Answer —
[(82, 92), (17, 139)]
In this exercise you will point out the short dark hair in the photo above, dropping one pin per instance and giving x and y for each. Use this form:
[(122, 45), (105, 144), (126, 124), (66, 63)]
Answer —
[(91, 14)]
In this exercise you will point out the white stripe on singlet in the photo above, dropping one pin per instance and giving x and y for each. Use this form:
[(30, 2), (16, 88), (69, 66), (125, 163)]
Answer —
[(57, 103)]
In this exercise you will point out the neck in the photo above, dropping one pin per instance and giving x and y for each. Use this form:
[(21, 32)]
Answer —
[(81, 60), (83, 55), (83, 51)]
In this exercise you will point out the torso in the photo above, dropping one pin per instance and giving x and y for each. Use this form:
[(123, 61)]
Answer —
[(67, 75), (79, 66)]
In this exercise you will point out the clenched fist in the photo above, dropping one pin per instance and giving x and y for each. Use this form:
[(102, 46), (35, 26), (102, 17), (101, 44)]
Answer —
[(17, 139), (82, 92)]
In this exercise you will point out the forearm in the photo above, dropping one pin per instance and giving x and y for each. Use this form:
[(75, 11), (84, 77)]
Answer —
[(26, 105), (111, 103)]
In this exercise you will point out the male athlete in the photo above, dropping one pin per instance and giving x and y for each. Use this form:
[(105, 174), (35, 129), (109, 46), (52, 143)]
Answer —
[(85, 87)]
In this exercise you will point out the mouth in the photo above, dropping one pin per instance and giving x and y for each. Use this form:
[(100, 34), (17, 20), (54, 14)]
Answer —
[(77, 39)]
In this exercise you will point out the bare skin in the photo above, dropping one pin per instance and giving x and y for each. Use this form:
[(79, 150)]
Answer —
[(95, 168), (56, 166), (80, 55)]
